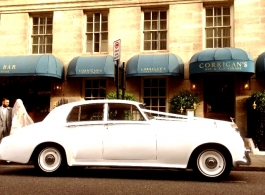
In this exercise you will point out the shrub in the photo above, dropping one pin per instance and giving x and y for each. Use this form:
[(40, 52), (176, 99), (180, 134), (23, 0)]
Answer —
[(184, 100), (127, 96), (256, 118)]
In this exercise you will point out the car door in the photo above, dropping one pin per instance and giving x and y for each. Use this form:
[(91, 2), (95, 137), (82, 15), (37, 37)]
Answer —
[(128, 136), (86, 125)]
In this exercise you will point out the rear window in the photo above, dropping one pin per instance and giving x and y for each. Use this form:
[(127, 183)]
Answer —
[(87, 112)]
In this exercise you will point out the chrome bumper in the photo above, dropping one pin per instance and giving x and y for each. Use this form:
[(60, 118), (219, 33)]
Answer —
[(246, 160)]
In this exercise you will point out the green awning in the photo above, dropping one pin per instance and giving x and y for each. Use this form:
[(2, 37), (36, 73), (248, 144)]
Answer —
[(155, 65), (91, 66), (260, 64), (31, 65), (222, 60)]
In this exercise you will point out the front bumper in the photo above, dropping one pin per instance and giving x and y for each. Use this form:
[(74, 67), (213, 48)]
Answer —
[(246, 159)]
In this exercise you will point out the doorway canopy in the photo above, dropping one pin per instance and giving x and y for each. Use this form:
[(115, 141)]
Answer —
[(31, 65), (221, 60), (91, 66), (155, 65)]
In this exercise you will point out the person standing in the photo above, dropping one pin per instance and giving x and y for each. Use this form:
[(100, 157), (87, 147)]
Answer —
[(5, 118), (20, 117)]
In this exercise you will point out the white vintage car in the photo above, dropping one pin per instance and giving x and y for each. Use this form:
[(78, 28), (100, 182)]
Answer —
[(123, 133)]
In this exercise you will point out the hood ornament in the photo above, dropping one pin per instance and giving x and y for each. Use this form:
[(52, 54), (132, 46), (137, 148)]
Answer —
[(234, 125)]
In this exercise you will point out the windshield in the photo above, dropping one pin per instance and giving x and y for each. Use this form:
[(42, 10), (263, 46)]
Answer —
[(147, 114)]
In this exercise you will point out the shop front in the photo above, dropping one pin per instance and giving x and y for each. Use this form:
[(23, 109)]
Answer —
[(92, 75), (152, 76), (222, 72), (29, 78)]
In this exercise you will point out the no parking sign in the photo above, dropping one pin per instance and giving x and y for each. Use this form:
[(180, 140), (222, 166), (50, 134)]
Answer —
[(116, 49)]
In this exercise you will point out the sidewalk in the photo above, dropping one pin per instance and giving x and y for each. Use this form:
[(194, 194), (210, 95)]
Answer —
[(257, 163)]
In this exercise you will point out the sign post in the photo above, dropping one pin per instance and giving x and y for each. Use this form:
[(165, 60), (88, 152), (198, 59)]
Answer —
[(116, 50), (116, 58)]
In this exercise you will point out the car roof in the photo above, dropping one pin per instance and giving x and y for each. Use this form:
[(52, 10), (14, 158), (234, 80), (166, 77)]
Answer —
[(65, 108), (71, 104)]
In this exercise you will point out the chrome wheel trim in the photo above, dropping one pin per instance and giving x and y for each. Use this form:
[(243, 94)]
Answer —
[(49, 159), (211, 163)]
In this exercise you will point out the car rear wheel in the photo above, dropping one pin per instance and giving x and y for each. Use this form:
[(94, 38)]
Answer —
[(49, 160), (212, 164)]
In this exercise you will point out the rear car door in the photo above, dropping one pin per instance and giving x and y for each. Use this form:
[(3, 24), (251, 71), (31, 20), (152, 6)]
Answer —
[(86, 126)]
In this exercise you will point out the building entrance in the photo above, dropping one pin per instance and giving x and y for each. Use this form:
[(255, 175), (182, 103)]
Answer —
[(219, 97), (33, 91)]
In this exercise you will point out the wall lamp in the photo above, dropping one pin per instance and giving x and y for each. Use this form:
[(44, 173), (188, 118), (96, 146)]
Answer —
[(254, 105), (57, 87), (194, 106), (193, 86), (247, 84)]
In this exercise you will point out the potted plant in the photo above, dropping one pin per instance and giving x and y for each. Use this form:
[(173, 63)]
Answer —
[(256, 118), (182, 101)]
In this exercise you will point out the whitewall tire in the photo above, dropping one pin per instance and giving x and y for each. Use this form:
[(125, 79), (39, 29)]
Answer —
[(49, 160), (212, 164)]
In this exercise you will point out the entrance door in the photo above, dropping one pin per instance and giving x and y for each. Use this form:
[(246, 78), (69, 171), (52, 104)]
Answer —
[(219, 97), (33, 91)]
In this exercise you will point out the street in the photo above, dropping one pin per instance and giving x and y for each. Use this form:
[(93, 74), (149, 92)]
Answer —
[(24, 180)]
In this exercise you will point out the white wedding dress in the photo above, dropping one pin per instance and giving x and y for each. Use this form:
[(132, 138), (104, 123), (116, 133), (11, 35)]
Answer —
[(20, 117)]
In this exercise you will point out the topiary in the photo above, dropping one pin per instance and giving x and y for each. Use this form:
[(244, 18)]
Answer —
[(182, 101)]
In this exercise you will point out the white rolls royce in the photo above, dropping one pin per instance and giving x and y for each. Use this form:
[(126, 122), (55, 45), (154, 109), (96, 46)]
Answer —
[(122, 133)]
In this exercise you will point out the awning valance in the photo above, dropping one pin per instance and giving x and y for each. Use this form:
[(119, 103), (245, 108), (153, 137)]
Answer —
[(154, 65), (222, 60), (91, 66), (31, 65), (260, 64)]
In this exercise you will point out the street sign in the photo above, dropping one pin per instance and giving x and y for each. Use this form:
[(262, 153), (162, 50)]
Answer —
[(117, 49)]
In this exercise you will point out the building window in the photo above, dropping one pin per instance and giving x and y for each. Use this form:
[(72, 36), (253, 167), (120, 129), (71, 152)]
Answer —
[(218, 27), (95, 89), (155, 30), (97, 32), (42, 34), (155, 94)]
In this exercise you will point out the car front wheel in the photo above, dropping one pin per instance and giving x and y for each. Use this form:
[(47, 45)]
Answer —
[(212, 164), (49, 160)]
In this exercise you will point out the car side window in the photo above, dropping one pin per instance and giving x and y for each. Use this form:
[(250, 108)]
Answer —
[(92, 112), (73, 116), (87, 112), (124, 112)]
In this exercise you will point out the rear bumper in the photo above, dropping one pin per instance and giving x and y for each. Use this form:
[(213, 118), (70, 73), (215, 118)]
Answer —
[(246, 159)]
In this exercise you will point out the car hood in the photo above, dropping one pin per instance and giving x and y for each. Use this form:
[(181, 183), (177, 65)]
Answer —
[(197, 123)]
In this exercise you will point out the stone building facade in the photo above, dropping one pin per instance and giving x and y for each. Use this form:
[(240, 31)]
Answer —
[(208, 47)]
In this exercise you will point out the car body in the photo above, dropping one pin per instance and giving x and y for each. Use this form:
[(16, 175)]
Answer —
[(123, 133)]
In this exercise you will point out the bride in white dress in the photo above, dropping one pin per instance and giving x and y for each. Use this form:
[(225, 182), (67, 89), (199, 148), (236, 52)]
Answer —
[(20, 117)]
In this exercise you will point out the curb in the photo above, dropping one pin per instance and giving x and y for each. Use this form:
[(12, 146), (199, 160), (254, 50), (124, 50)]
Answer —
[(242, 168)]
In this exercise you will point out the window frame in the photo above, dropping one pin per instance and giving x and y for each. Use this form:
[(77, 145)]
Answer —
[(84, 88), (45, 35), (124, 112), (86, 13), (222, 27), (144, 10), (87, 115), (166, 94)]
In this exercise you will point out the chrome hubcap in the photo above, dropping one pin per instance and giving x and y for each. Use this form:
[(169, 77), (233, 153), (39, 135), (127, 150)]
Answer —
[(49, 159), (211, 163)]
